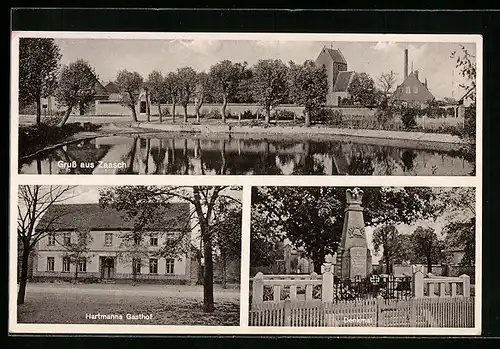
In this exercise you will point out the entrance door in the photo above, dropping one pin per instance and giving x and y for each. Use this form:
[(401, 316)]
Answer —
[(107, 267), (143, 107)]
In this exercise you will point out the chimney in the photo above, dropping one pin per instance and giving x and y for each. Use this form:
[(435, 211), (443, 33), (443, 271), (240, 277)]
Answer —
[(425, 84), (416, 74), (406, 63)]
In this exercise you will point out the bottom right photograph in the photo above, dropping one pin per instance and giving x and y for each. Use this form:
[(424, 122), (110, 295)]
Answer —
[(363, 256)]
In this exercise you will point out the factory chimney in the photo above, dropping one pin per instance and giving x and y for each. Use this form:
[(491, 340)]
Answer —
[(425, 83), (406, 63), (416, 74)]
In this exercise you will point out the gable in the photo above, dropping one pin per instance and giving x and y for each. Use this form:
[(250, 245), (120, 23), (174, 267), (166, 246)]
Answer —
[(100, 90), (111, 88), (413, 90), (334, 55), (174, 217)]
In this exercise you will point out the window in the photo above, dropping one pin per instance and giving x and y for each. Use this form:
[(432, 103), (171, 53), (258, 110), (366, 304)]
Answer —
[(136, 266), (170, 239), (51, 239), (82, 265), (153, 266), (67, 239), (66, 264), (408, 89), (169, 267), (108, 239), (415, 89), (137, 240), (50, 263), (153, 239)]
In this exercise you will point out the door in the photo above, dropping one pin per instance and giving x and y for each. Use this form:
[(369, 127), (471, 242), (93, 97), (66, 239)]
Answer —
[(143, 107), (107, 267)]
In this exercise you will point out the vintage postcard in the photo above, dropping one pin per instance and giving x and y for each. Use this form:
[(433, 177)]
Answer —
[(284, 200)]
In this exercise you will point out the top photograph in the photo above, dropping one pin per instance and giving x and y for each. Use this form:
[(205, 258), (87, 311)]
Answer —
[(245, 104)]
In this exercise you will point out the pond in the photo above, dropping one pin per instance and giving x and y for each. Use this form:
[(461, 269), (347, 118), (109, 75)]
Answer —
[(188, 154)]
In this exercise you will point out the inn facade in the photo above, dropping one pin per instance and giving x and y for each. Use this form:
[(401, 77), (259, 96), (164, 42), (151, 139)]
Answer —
[(111, 254)]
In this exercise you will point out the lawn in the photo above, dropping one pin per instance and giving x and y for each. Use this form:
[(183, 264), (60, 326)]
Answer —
[(71, 308)]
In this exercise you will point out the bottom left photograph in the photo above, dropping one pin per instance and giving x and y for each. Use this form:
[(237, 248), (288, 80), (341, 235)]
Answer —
[(149, 255)]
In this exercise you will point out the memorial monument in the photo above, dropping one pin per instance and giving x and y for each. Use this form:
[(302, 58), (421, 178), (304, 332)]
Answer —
[(354, 258)]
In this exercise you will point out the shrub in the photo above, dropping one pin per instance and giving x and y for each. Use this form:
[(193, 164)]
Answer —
[(408, 117), (329, 116), (213, 114), (283, 114)]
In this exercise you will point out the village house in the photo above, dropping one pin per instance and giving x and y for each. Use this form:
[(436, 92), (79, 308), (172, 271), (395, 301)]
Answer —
[(110, 255), (412, 91)]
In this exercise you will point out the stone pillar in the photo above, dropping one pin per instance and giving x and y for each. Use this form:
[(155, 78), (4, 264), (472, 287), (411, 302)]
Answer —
[(355, 257)]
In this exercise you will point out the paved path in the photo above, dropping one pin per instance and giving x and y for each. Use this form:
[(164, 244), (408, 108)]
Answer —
[(181, 291)]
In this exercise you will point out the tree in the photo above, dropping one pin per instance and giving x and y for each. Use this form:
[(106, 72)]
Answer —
[(226, 77), (157, 89), (386, 82), (33, 203), (427, 247), (203, 85), (393, 244), (308, 87), (362, 90), (312, 217), (141, 203), (38, 65), (77, 252), (172, 90), (133, 251), (76, 87), (129, 84), (226, 229), (187, 84), (270, 84)]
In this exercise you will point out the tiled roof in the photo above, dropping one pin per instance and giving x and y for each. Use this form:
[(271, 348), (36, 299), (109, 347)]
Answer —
[(343, 80), (111, 87), (336, 55), (174, 217)]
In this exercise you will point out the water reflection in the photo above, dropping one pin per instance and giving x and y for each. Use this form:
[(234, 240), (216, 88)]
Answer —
[(161, 154)]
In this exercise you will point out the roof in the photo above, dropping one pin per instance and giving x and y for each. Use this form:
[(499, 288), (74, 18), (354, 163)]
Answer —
[(174, 217), (100, 90), (344, 78), (111, 87), (467, 94), (336, 55)]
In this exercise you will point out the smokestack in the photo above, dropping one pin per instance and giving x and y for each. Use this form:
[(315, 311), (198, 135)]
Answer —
[(425, 83), (406, 63), (416, 74)]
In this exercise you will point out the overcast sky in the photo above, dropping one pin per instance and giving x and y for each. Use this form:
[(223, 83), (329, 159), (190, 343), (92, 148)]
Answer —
[(108, 56)]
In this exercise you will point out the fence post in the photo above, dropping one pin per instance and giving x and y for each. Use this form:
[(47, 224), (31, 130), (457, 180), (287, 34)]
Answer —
[(466, 283), (413, 312), (418, 284), (288, 311), (327, 286), (258, 289)]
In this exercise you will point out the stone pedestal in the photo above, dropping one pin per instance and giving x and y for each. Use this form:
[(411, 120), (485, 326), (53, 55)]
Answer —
[(353, 258)]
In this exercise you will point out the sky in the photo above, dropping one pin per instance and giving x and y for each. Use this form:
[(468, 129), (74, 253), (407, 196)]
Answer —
[(108, 56)]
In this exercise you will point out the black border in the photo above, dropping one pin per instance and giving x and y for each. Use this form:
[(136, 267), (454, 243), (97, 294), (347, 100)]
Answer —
[(486, 23)]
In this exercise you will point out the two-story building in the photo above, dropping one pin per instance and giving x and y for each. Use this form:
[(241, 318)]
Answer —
[(113, 252)]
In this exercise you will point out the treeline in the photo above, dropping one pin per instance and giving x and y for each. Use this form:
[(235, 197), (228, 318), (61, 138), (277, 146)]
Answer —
[(269, 82)]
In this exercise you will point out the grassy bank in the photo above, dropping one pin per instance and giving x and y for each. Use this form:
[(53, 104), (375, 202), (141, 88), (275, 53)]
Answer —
[(33, 138)]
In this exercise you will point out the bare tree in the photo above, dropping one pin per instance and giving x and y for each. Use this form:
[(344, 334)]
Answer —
[(33, 203), (386, 81)]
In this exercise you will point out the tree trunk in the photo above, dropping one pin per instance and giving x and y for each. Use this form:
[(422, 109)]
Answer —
[(148, 107), (39, 166), (208, 277), (224, 270), (197, 108), (159, 111), (65, 117), (268, 115), (82, 109), (307, 118), (185, 113), (134, 275), (387, 265), (134, 113), (173, 112), (24, 275), (318, 261), (38, 111), (76, 271), (429, 265), (224, 106)]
